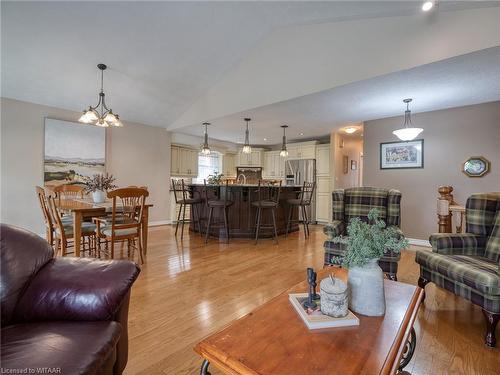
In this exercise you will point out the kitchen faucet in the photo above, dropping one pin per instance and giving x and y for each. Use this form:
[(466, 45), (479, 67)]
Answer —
[(244, 179)]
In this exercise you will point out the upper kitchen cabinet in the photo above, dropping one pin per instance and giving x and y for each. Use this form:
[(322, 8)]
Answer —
[(303, 150), (183, 161), (253, 159), (274, 165), (229, 165)]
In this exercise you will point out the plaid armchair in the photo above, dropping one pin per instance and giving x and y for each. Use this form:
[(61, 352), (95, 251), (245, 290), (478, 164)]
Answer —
[(467, 264), (357, 202)]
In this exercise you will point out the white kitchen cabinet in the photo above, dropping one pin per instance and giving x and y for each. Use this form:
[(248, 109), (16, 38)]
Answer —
[(323, 160), (229, 165), (323, 208), (303, 150), (175, 161), (253, 159), (184, 161), (274, 165)]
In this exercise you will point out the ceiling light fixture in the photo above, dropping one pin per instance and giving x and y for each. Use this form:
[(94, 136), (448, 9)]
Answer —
[(205, 150), (100, 115), (301, 133), (407, 132), (247, 149), (428, 5), (284, 151), (351, 130)]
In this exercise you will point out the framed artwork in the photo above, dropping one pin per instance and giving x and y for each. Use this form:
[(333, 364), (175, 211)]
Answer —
[(476, 166), (345, 164), (354, 165), (401, 155), (72, 151)]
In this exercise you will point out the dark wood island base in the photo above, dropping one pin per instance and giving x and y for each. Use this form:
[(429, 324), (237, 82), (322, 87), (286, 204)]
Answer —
[(242, 215)]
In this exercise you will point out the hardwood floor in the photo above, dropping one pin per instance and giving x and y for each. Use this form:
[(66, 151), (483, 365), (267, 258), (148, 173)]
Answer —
[(188, 290)]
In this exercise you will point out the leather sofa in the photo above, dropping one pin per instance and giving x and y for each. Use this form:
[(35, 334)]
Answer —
[(64, 315)]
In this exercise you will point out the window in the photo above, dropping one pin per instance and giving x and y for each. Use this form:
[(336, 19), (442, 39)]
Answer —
[(208, 164)]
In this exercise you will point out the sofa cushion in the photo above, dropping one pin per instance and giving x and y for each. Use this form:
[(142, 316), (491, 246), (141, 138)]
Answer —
[(22, 255), (359, 201), (476, 272), (75, 348), (493, 245), (480, 211)]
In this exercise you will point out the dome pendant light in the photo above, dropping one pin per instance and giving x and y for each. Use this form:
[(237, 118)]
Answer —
[(407, 132), (284, 151), (205, 150), (247, 149), (100, 115)]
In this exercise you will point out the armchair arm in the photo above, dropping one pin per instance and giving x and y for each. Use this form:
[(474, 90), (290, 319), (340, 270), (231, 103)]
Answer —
[(334, 229), (457, 244), (77, 289)]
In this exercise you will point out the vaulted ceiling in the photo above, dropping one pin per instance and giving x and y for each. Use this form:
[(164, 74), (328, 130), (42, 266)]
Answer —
[(174, 64)]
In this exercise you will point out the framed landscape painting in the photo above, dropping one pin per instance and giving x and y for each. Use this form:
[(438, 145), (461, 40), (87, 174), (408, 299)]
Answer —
[(72, 151), (400, 155)]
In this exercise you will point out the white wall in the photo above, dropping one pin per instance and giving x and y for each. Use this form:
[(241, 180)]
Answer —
[(301, 60), (450, 137), (135, 154)]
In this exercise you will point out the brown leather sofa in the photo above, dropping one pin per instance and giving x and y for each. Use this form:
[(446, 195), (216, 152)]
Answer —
[(68, 315)]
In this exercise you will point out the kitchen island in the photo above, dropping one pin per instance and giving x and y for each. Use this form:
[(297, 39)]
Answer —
[(241, 214)]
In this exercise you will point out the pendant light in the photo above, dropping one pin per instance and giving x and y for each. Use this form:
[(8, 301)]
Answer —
[(205, 150), (284, 151), (407, 132), (247, 149), (100, 115)]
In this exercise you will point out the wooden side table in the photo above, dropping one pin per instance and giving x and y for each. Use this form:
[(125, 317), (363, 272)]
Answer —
[(273, 339)]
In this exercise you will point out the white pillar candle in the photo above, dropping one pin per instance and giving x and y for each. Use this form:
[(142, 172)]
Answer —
[(443, 207)]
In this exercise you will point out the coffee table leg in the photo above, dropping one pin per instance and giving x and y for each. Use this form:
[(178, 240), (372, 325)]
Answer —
[(204, 368), (409, 350)]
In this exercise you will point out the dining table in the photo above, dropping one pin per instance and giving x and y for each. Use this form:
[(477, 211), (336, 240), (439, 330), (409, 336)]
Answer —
[(82, 208)]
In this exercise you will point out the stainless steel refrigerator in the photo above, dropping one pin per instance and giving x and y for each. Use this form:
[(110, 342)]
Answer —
[(298, 171)]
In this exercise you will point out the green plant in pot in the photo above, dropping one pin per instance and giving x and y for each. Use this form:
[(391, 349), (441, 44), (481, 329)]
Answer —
[(215, 179), (365, 244)]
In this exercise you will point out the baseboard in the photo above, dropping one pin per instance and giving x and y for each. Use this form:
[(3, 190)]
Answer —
[(417, 242), (159, 222)]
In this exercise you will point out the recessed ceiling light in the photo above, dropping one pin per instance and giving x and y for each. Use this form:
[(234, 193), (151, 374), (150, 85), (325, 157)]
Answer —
[(265, 139), (428, 5), (350, 130), (301, 133)]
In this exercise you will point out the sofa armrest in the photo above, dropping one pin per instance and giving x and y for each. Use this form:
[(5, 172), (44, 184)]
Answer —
[(334, 229), (77, 289), (457, 244)]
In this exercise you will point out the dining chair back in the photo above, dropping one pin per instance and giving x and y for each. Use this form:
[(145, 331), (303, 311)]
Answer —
[(67, 191), (44, 205), (126, 217), (63, 228)]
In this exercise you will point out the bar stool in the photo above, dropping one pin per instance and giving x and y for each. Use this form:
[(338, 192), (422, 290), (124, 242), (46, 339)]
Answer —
[(211, 192), (183, 198), (301, 202), (268, 198)]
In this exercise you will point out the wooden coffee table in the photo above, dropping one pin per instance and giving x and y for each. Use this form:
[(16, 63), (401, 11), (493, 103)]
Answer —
[(273, 339)]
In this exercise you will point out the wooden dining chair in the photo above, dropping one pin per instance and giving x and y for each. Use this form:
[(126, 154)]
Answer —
[(49, 226), (63, 229), (126, 221), (67, 191)]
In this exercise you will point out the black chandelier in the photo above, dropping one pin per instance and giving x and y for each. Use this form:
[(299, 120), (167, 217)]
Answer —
[(100, 114)]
